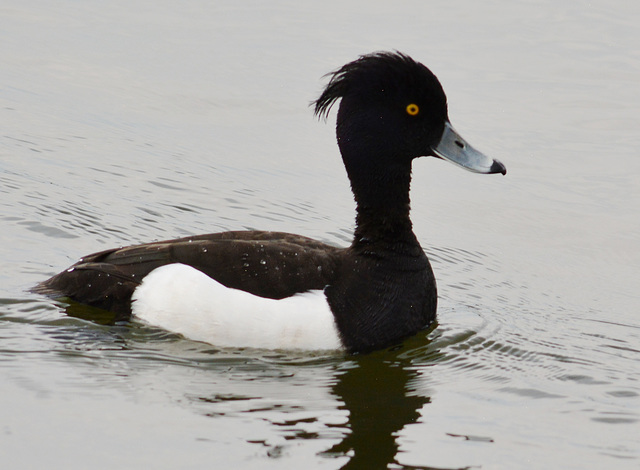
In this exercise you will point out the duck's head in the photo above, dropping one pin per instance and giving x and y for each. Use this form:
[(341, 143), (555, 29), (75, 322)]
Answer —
[(392, 110)]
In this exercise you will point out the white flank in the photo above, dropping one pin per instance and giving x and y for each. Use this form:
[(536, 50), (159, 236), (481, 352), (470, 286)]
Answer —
[(182, 299)]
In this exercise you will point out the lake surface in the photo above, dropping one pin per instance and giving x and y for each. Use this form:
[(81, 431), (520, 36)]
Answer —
[(126, 122)]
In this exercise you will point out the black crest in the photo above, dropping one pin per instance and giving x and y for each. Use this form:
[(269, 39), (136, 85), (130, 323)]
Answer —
[(377, 71)]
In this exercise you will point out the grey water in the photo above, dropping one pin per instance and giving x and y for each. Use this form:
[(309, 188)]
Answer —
[(126, 122)]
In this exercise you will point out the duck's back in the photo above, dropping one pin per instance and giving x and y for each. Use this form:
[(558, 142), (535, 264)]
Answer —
[(272, 265)]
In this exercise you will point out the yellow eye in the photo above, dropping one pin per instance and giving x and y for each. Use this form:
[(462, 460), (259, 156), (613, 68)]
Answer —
[(413, 109)]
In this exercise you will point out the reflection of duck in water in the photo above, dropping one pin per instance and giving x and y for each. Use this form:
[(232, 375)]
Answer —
[(276, 290), (379, 398)]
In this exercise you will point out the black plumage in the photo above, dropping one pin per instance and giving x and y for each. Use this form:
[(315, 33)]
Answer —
[(380, 289)]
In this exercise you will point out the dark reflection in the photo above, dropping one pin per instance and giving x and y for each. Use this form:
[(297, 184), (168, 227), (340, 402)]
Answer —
[(377, 393), (85, 312), (381, 393)]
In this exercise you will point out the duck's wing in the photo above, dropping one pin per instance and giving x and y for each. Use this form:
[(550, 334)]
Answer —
[(268, 264)]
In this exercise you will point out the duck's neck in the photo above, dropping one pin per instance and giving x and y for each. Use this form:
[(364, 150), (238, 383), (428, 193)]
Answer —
[(380, 177), (382, 205)]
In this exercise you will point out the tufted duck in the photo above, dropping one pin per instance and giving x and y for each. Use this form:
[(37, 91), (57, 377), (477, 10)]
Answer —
[(283, 291)]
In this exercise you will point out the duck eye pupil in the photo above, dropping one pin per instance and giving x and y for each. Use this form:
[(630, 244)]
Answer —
[(413, 109)]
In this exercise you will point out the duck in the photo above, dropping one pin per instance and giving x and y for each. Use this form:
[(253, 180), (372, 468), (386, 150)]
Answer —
[(281, 291)]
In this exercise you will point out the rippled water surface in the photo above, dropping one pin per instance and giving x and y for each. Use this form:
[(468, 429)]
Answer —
[(135, 121)]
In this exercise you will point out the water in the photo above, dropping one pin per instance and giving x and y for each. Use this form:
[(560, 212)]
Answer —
[(130, 122)]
